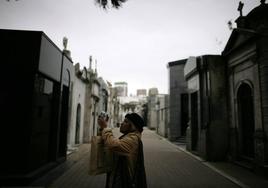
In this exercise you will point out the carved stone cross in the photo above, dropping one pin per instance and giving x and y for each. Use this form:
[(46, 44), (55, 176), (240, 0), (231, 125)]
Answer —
[(240, 7)]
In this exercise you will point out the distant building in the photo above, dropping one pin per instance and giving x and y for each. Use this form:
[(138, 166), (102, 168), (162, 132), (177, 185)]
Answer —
[(162, 110), (121, 89), (178, 103), (153, 91), (141, 92), (152, 108), (130, 104), (114, 106)]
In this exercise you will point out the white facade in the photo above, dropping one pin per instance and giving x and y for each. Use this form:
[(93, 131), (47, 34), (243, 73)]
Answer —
[(130, 104), (141, 92), (152, 110), (76, 127), (121, 89)]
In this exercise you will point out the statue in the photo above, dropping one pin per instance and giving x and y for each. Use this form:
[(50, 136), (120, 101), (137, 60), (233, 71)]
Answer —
[(240, 7), (65, 42)]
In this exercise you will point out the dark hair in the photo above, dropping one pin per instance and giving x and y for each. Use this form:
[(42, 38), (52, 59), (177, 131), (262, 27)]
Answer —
[(137, 120)]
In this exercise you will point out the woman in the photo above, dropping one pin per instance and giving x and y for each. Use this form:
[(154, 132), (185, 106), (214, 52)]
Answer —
[(128, 167)]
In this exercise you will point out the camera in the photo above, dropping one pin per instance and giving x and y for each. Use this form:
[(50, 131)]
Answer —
[(104, 115)]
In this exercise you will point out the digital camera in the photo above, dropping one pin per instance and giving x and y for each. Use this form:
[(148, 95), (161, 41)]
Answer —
[(104, 115)]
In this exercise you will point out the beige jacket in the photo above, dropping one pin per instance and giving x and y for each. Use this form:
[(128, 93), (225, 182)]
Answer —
[(127, 145)]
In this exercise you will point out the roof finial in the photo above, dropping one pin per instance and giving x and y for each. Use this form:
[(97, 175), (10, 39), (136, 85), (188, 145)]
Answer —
[(240, 7), (65, 42), (90, 62), (95, 66), (263, 2)]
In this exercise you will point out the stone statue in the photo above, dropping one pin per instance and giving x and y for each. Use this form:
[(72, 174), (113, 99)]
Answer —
[(65, 42)]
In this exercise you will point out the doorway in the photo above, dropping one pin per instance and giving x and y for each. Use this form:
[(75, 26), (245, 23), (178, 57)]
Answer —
[(246, 120), (64, 122), (77, 126), (194, 120), (184, 113)]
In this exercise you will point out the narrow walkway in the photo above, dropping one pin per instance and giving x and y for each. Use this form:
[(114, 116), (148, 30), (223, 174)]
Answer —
[(167, 165)]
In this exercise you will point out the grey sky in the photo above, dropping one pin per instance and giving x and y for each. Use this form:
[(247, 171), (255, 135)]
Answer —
[(132, 44)]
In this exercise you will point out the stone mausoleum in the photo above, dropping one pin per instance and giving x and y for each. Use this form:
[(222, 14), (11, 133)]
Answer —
[(35, 79)]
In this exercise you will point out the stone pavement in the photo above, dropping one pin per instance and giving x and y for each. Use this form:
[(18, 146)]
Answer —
[(167, 165)]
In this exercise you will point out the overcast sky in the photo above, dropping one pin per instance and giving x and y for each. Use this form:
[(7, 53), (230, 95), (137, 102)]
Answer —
[(132, 44)]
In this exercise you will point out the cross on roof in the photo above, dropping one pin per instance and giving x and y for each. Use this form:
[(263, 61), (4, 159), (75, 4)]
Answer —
[(263, 1), (240, 7)]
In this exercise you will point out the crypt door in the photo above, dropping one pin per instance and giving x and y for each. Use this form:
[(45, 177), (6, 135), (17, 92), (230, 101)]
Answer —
[(246, 121), (194, 120)]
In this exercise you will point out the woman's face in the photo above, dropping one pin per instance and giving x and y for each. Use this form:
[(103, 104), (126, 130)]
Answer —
[(126, 126)]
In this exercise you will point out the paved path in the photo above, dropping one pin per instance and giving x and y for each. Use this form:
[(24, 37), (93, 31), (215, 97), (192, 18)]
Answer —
[(166, 166)]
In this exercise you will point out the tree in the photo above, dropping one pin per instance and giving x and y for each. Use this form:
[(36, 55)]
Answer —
[(105, 3), (114, 3)]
